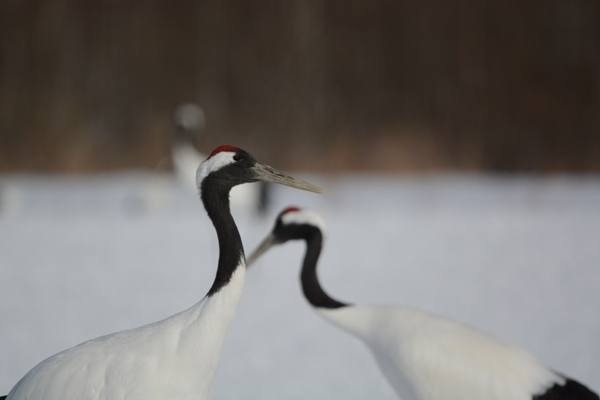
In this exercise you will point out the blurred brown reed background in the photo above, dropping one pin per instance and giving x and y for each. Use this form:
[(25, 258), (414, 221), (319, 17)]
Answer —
[(303, 84)]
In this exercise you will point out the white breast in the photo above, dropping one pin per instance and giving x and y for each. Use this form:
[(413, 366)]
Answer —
[(175, 358), (428, 357)]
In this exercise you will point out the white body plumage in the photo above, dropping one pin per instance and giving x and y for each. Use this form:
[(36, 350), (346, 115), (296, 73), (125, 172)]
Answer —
[(428, 357), (175, 358)]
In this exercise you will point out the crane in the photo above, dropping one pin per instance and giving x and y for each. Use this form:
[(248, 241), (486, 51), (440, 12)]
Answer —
[(423, 356), (175, 358)]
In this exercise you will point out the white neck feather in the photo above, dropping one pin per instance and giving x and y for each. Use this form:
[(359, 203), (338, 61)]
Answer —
[(212, 164), (303, 217)]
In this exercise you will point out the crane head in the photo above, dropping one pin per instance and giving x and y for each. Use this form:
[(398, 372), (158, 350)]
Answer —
[(190, 120), (228, 166), (292, 223)]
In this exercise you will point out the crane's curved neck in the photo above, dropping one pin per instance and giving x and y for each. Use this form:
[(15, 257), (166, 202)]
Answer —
[(311, 287), (215, 196)]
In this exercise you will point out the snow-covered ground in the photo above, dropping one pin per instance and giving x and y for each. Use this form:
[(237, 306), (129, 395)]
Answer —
[(518, 257)]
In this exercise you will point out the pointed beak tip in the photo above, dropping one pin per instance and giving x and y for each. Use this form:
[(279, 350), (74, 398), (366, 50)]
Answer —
[(309, 188)]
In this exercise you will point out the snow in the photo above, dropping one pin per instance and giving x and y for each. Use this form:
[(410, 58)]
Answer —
[(516, 256)]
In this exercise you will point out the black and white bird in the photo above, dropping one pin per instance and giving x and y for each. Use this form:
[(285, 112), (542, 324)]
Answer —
[(175, 358), (423, 356), (190, 121)]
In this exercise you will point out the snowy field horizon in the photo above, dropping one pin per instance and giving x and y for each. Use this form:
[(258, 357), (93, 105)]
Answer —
[(517, 256)]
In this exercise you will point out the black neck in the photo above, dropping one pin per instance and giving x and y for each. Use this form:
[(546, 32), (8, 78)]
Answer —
[(215, 196), (313, 291)]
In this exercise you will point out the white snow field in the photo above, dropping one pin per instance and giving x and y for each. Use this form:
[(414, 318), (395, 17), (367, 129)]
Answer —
[(515, 256)]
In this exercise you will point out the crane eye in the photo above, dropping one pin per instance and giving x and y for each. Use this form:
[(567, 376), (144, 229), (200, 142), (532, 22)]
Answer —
[(237, 157)]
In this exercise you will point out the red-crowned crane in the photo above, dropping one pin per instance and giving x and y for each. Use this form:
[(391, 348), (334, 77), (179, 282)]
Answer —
[(190, 121), (423, 356), (175, 358)]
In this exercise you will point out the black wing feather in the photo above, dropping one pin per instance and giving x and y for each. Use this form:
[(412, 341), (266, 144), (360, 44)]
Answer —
[(571, 390)]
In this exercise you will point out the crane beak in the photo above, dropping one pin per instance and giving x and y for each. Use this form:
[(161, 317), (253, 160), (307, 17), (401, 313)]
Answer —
[(270, 174), (266, 244)]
